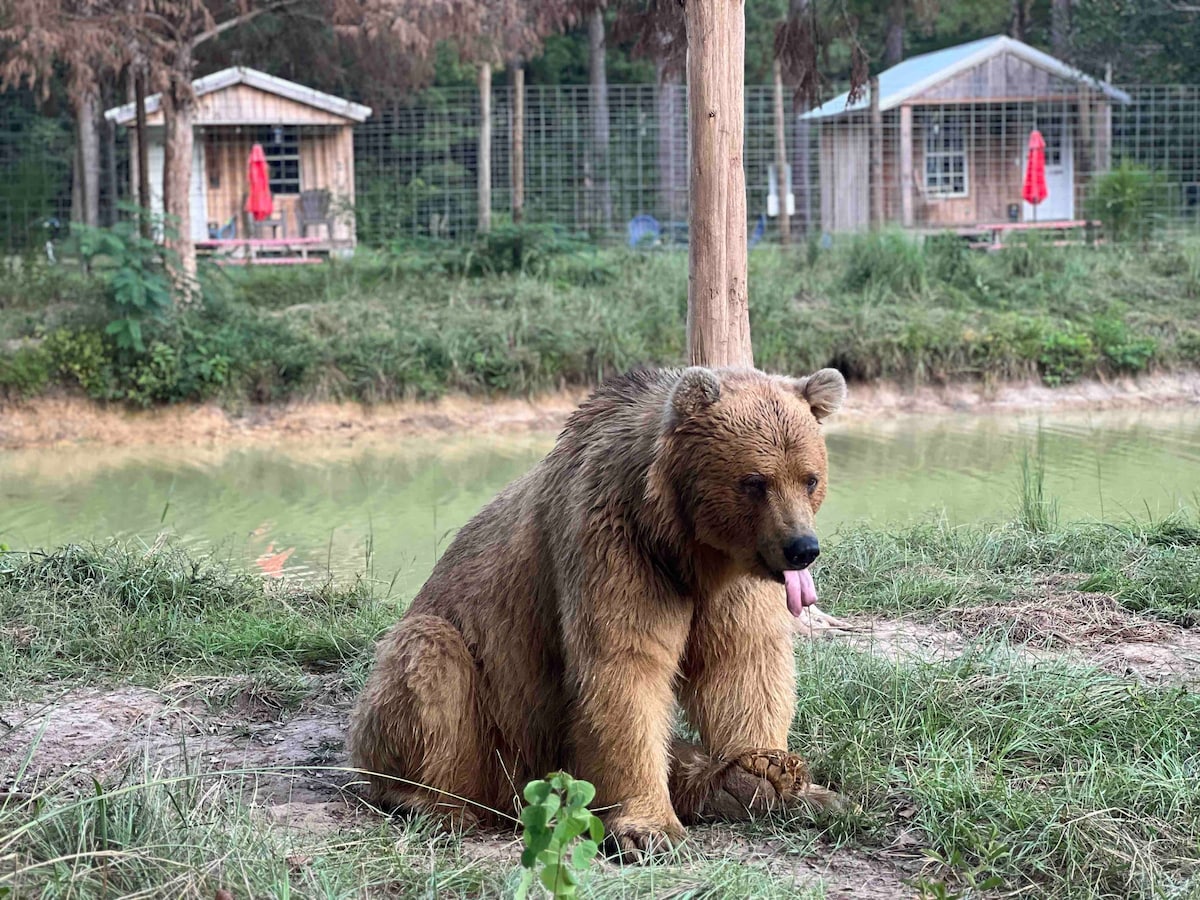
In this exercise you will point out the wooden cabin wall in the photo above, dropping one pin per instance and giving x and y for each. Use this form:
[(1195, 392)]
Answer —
[(242, 104), (845, 185), (326, 161)]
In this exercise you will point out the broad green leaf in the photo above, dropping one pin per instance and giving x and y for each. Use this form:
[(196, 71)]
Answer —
[(537, 791), (583, 854), (535, 817), (581, 793)]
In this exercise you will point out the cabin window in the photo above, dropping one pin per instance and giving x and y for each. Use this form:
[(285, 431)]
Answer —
[(946, 155), (281, 146)]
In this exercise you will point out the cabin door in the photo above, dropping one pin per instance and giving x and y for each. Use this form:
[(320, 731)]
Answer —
[(1060, 172)]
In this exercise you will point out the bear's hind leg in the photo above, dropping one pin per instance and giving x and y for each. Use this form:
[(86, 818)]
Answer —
[(416, 732)]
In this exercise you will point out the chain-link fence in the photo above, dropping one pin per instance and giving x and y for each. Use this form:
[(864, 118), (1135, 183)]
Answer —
[(1129, 158)]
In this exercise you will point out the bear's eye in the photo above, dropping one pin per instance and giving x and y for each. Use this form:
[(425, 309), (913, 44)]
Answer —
[(811, 483), (755, 485)]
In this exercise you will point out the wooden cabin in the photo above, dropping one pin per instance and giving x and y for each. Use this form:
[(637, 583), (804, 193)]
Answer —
[(308, 139), (954, 126)]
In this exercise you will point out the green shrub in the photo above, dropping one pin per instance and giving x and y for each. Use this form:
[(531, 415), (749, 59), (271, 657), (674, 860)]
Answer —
[(887, 261), (81, 358), (1066, 356), (25, 372), (134, 270), (1122, 351), (1128, 201)]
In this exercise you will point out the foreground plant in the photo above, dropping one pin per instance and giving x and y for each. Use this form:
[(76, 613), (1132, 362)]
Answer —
[(561, 835)]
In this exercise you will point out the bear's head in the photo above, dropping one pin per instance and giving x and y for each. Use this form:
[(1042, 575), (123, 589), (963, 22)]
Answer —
[(746, 458)]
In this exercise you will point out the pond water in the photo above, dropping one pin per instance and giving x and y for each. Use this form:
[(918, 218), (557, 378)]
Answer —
[(387, 509)]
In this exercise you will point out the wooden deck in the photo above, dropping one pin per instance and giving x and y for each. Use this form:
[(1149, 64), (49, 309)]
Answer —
[(1063, 233), (268, 251)]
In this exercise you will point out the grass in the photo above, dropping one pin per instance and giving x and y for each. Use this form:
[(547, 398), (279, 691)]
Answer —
[(490, 319), (1048, 778)]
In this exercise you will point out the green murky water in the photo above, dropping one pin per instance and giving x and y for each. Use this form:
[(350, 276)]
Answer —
[(387, 509)]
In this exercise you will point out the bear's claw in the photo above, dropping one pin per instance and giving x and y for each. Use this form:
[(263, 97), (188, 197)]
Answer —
[(633, 843)]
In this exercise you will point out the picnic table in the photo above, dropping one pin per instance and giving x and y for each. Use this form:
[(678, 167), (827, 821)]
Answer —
[(990, 236), (264, 251)]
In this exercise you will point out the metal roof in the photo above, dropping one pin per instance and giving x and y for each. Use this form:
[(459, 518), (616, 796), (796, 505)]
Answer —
[(914, 76), (355, 112)]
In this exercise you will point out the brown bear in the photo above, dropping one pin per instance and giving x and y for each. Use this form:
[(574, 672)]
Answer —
[(654, 558)]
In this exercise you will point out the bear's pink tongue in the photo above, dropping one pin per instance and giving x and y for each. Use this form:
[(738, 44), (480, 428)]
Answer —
[(801, 591)]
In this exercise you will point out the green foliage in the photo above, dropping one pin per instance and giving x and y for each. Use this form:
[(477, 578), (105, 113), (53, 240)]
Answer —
[(531, 309), (885, 261), (134, 270), (1037, 512), (81, 358), (24, 373), (1128, 201), (1123, 352), (561, 835), (1066, 356)]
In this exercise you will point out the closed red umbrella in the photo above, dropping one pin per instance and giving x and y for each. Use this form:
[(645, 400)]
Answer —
[(258, 201), (1034, 190)]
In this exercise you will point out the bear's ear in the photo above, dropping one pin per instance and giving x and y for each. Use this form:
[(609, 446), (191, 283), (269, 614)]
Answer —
[(825, 391), (697, 389)]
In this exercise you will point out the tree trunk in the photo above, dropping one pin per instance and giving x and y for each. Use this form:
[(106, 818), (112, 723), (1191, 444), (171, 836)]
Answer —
[(143, 151), (109, 217), (598, 82), (178, 110), (781, 167), (718, 312), (672, 152), (1020, 19), (893, 48), (876, 180), (87, 130), (1060, 28), (484, 163), (517, 161)]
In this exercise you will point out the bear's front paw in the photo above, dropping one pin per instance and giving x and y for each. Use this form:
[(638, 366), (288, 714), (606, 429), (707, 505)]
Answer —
[(635, 841)]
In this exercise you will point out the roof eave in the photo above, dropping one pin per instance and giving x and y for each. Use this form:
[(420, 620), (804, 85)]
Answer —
[(346, 109)]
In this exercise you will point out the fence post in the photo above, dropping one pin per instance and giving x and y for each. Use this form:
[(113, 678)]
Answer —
[(781, 156), (517, 160), (906, 166), (876, 157), (484, 168)]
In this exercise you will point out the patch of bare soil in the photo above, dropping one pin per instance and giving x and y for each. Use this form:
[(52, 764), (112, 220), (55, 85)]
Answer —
[(54, 421), (1056, 620), (58, 745)]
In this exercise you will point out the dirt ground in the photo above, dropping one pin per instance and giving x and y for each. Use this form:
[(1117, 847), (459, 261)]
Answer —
[(57, 421), (230, 726)]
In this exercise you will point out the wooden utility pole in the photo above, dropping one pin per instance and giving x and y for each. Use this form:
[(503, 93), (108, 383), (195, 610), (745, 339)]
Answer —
[(143, 151), (517, 157), (876, 157), (602, 211), (781, 159), (484, 167), (718, 312)]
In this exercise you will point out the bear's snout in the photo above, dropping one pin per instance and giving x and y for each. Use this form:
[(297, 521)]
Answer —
[(801, 551)]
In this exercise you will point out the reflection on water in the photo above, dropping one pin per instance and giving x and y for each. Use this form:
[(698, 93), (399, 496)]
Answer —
[(388, 509)]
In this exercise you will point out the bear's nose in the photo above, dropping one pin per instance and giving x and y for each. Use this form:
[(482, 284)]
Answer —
[(800, 552)]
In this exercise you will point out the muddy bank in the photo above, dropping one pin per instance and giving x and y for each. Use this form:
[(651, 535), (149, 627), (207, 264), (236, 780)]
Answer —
[(55, 421)]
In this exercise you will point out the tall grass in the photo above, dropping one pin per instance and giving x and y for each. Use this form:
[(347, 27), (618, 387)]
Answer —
[(523, 314)]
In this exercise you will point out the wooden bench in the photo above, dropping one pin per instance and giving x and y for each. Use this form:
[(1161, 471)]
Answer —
[(991, 236)]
